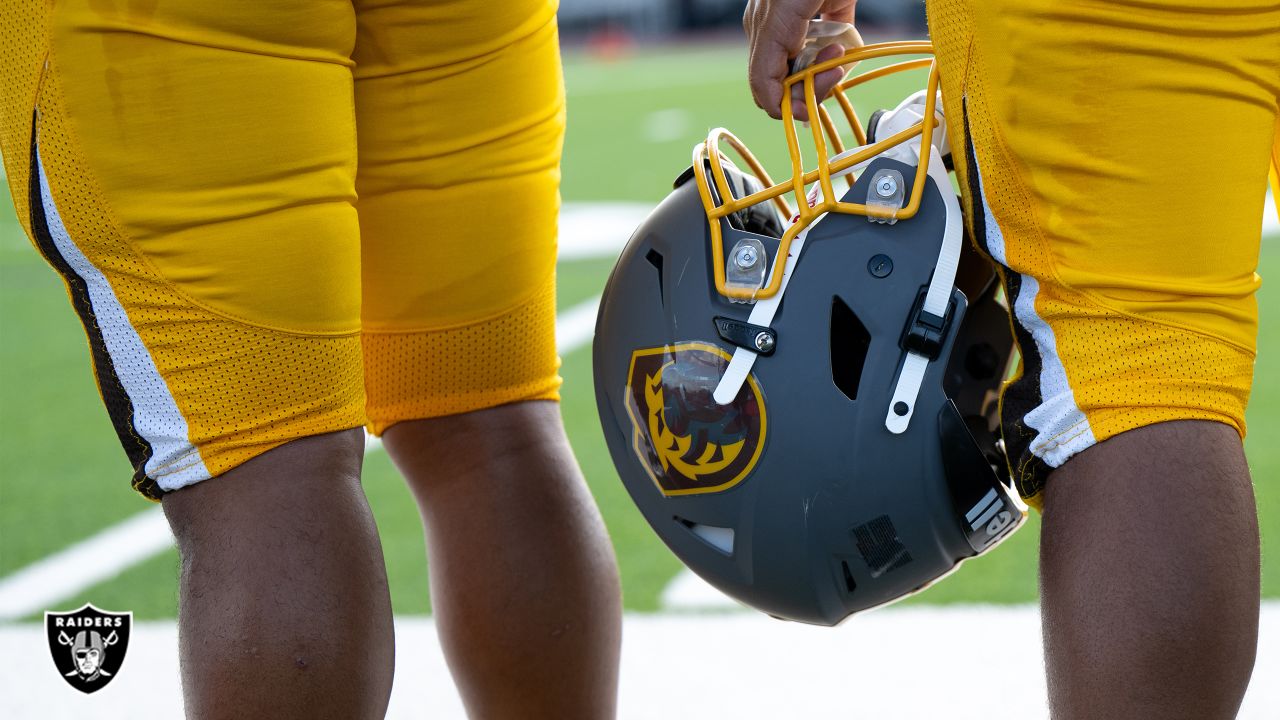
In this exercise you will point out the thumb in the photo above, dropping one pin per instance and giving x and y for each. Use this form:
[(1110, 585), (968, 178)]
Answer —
[(823, 83)]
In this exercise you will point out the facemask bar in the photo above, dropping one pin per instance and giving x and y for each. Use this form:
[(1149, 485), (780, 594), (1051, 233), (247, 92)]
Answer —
[(709, 152)]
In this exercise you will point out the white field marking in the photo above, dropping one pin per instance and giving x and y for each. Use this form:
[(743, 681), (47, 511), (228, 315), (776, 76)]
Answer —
[(576, 326), (669, 125), (46, 582), (596, 230), (689, 592), (742, 665)]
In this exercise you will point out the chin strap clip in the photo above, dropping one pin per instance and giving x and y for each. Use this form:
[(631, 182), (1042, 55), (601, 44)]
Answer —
[(756, 338), (925, 330)]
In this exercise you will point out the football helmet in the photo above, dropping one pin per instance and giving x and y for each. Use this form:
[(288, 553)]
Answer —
[(800, 396)]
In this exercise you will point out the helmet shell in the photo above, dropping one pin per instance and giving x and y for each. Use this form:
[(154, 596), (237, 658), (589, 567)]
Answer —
[(817, 510)]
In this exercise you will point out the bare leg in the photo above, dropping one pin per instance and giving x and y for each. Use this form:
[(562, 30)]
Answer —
[(1150, 576), (523, 578), (284, 610)]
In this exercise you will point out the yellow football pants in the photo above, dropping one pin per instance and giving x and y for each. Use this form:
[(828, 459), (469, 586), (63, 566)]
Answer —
[(1113, 157), (280, 218)]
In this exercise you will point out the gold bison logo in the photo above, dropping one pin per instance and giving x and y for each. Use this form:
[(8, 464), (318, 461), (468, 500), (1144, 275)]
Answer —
[(686, 440)]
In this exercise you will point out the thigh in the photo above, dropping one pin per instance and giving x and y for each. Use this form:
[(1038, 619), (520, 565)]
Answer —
[(460, 110), (190, 173), (1116, 160)]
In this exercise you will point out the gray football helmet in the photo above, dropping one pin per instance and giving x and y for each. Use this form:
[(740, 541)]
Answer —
[(801, 398)]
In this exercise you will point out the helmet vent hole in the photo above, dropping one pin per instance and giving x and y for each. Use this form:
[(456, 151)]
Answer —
[(655, 259), (720, 538), (849, 343), (849, 583)]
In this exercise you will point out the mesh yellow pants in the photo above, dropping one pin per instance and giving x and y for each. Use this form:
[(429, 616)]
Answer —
[(1114, 159), (279, 218)]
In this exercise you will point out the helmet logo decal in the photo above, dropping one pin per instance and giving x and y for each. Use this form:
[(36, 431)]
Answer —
[(686, 441), (672, 449)]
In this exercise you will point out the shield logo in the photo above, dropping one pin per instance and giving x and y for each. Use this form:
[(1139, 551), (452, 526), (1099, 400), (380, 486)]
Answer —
[(88, 645), (689, 443)]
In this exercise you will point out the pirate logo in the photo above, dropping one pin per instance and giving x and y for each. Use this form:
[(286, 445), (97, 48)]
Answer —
[(88, 645), (687, 441)]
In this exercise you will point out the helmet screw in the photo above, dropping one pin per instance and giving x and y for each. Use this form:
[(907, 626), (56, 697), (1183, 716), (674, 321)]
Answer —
[(880, 266), (746, 257), (764, 342), (886, 186)]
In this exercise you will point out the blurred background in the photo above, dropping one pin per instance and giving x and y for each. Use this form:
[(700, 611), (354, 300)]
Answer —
[(648, 19), (646, 80)]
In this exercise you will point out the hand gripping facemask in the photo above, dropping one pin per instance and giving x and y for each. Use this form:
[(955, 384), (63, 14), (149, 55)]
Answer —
[(800, 396)]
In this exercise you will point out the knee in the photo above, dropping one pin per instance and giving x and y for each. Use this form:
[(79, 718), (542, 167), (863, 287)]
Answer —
[(280, 483), (486, 435), (524, 439)]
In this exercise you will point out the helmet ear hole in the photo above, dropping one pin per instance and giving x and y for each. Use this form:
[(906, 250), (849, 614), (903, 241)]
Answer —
[(850, 341), (873, 123), (761, 218), (720, 538)]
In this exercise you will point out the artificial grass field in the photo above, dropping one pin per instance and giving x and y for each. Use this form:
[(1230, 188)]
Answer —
[(632, 124)]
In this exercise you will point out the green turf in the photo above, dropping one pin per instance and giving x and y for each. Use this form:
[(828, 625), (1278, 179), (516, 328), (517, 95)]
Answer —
[(631, 126), (613, 108), (64, 473), (1261, 446)]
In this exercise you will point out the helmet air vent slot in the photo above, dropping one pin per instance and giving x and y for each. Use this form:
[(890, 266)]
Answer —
[(850, 341), (849, 583), (655, 259), (720, 538)]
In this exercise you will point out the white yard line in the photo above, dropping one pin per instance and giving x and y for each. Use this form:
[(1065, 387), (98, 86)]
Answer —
[(926, 662), (577, 325), (44, 583), (688, 592), (595, 230)]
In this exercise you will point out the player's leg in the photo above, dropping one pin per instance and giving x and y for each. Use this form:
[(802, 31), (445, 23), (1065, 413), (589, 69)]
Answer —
[(1149, 576), (1095, 137), (283, 605), (523, 579), (461, 120), (210, 245)]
